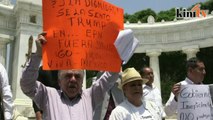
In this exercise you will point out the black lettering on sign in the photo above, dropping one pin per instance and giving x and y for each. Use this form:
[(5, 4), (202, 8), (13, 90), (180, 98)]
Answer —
[(93, 63), (194, 105), (100, 5), (53, 3), (71, 20), (186, 93), (63, 12), (62, 3), (63, 53), (60, 63), (86, 43), (92, 23), (93, 34), (68, 43), (98, 15), (80, 22), (74, 2), (186, 116), (79, 12), (59, 33)]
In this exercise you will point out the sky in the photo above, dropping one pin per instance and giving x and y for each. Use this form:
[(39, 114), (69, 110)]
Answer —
[(132, 6)]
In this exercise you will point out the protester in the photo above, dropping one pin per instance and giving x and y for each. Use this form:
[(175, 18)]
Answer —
[(195, 75), (6, 101), (48, 78), (150, 91), (111, 99), (70, 102), (133, 108)]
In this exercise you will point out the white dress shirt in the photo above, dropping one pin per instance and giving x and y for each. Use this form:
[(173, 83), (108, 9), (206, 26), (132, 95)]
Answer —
[(127, 111), (6, 94), (172, 104), (153, 94)]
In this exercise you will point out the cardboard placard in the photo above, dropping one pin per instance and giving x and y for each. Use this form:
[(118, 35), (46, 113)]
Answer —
[(81, 35), (194, 103)]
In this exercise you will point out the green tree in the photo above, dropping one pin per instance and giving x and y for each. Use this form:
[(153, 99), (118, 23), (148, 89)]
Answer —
[(168, 15), (208, 5), (126, 17), (133, 19), (144, 14), (138, 60)]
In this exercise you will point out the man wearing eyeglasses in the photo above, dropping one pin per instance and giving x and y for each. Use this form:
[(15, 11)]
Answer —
[(71, 102), (195, 75)]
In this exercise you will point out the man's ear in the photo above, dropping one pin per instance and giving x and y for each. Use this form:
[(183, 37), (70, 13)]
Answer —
[(190, 69)]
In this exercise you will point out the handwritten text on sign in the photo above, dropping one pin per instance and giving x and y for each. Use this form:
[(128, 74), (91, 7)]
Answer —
[(81, 34), (194, 103)]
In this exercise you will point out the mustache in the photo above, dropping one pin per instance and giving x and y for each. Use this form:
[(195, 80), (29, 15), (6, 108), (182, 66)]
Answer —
[(71, 85)]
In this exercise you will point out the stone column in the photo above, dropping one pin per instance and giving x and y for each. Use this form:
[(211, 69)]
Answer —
[(154, 64), (4, 40), (84, 81), (190, 51), (3, 53)]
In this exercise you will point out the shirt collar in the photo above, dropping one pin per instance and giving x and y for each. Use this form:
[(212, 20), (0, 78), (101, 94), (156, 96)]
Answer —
[(190, 81), (64, 96), (148, 87)]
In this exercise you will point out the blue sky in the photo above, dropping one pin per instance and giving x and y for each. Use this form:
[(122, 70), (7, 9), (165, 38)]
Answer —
[(132, 6)]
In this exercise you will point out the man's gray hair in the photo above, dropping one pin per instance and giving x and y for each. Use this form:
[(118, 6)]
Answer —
[(61, 71)]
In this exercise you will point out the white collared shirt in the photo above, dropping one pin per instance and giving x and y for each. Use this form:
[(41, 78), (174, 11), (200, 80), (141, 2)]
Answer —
[(127, 111), (172, 104), (153, 94), (6, 94)]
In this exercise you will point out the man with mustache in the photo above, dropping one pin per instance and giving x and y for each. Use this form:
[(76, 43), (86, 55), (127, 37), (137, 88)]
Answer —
[(70, 102), (195, 75), (48, 78)]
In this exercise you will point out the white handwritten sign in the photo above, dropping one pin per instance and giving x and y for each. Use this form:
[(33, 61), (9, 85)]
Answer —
[(194, 103)]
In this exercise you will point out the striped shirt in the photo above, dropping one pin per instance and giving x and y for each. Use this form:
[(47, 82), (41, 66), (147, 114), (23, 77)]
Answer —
[(55, 104)]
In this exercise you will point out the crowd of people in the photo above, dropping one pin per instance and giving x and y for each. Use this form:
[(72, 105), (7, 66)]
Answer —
[(126, 95)]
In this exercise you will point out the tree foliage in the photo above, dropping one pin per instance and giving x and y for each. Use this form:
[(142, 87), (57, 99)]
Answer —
[(167, 15), (126, 17), (144, 14), (133, 19)]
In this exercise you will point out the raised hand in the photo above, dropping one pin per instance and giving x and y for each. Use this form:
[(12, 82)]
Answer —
[(41, 40)]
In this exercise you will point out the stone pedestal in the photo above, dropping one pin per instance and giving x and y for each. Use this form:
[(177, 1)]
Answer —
[(25, 27)]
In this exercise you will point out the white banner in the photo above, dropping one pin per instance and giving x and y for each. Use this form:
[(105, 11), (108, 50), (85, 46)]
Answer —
[(194, 103)]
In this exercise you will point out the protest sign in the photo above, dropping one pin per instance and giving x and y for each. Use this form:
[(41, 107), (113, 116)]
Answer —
[(81, 35), (194, 103)]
